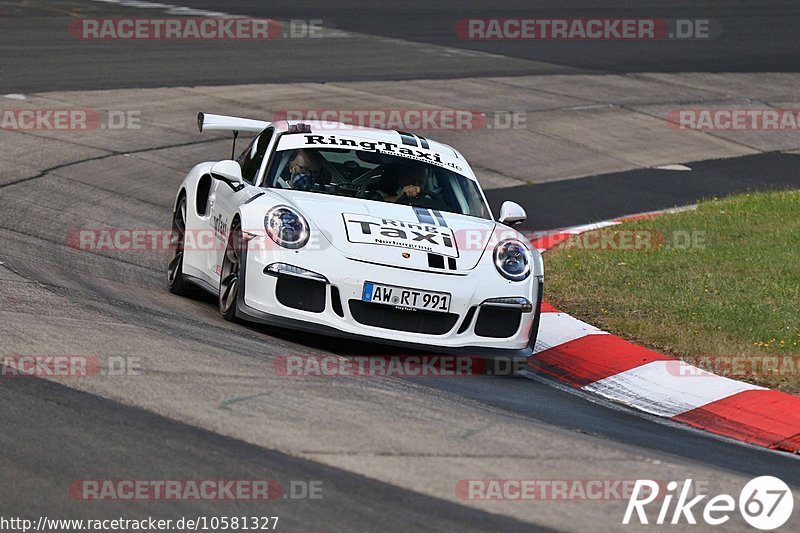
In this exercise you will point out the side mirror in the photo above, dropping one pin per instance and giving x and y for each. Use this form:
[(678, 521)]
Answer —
[(228, 171), (512, 213)]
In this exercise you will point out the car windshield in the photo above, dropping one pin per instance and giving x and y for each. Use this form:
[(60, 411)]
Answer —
[(378, 177)]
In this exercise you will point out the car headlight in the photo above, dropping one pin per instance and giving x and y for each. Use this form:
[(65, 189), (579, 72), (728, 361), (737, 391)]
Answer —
[(286, 227), (513, 260)]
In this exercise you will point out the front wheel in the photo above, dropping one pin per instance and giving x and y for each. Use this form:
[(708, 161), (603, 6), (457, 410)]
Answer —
[(229, 280)]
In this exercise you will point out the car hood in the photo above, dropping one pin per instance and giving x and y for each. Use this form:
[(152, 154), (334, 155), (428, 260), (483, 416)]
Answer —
[(394, 235)]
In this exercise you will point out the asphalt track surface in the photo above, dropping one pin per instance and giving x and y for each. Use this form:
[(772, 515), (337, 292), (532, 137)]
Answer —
[(43, 56), (53, 435), (606, 196), (67, 449)]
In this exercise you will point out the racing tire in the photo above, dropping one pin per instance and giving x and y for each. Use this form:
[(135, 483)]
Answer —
[(229, 276), (176, 282)]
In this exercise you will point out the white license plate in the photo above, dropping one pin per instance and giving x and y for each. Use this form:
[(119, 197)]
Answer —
[(404, 298)]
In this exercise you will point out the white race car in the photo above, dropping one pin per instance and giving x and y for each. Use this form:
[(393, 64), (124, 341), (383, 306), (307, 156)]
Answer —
[(356, 232)]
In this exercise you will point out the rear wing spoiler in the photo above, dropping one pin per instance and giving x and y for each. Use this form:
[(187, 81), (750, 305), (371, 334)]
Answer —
[(206, 121), (210, 122)]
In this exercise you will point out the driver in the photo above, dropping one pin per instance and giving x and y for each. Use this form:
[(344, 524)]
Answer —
[(411, 181), (304, 167)]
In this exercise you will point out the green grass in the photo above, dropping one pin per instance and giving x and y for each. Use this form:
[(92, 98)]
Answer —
[(734, 292)]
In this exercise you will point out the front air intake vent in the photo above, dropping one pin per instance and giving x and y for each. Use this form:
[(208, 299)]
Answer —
[(497, 322), (301, 293)]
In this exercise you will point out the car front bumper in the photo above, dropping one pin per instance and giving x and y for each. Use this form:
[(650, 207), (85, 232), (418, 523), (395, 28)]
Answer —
[(262, 300)]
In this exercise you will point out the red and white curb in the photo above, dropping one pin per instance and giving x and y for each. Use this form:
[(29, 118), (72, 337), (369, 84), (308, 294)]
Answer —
[(595, 361)]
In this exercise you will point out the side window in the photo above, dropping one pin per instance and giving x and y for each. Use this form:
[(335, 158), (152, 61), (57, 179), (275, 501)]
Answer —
[(250, 160)]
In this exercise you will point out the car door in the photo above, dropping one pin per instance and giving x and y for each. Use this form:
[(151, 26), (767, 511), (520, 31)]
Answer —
[(225, 201)]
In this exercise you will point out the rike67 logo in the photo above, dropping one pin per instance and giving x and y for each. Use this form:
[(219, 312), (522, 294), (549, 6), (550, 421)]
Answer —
[(766, 503)]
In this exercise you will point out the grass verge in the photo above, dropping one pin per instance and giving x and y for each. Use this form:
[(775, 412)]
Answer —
[(718, 286)]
